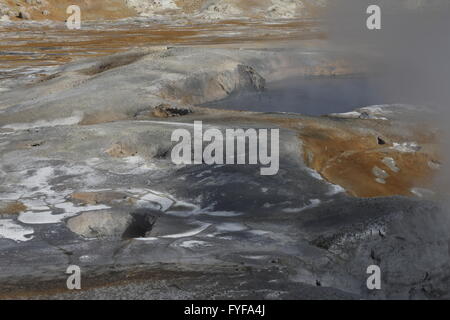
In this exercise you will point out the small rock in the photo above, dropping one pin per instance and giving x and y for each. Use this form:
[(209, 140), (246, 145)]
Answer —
[(24, 15), (391, 164), (380, 141), (364, 115), (100, 224), (165, 111), (379, 173), (119, 150)]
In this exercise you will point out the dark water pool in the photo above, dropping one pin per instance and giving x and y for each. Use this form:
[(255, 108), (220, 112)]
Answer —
[(310, 96)]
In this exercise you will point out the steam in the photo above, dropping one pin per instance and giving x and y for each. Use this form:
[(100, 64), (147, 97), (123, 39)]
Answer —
[(411, 52), (410, 55)]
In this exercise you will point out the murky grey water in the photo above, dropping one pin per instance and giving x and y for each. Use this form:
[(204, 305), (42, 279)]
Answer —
[(310, 96)]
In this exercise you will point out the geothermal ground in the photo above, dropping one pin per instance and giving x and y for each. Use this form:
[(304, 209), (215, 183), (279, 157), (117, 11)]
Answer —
[(86, 118)]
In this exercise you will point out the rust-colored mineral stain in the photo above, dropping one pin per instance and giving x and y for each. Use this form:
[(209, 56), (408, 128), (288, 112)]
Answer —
[(55, 10), (13, 208), (346, 157), (43, 45)]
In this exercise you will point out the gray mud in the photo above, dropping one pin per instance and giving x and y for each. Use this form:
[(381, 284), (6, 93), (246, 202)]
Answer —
[(155, 230)]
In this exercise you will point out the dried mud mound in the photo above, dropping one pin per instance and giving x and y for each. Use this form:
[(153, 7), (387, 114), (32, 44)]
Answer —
[(55, 10), (116, 9), (214, 9)]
